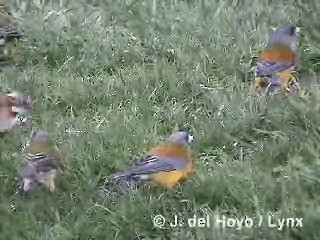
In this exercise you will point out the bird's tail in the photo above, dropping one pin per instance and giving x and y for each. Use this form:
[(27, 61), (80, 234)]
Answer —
[(121, 180), (116, 184), (123, 175)]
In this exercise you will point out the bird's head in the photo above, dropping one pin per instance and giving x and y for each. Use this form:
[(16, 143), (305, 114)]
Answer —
[(286, 34), (182, 137)]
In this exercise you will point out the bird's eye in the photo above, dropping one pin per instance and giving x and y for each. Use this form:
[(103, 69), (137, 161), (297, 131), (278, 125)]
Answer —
[(190, 138)]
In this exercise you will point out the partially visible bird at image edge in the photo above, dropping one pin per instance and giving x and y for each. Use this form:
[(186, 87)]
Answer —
[(9, 32)]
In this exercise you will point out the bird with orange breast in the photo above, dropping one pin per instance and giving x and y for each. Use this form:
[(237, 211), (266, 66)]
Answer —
[(166, 165), (12, 104), (41, 165), (274, 68)]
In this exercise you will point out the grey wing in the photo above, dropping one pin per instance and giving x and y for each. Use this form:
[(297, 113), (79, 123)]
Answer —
[(145, 160), (266, 68), (46, 164), (152, 164)]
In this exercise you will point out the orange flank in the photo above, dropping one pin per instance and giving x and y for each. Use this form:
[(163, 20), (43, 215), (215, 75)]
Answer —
[(172, 178), (278, 52)]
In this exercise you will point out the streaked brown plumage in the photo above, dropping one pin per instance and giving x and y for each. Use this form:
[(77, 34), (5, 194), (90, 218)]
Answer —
[(42, 164)]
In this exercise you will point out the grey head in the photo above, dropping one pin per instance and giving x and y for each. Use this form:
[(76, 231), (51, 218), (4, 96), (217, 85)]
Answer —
[(285, 34), (182, 137)]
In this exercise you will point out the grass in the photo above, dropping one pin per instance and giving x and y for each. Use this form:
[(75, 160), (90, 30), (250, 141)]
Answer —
[(128, 73)]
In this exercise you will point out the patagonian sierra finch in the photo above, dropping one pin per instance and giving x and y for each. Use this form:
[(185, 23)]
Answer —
[(274, 67), (42, 163), (12, 104), (166, 165)]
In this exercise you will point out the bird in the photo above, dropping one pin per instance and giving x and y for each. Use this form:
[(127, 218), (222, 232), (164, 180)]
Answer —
[(165, 165), (9, 33), (274, 68), (8, 24), (12, 104), (42, 164)]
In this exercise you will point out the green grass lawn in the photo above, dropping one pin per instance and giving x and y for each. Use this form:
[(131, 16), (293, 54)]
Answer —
[(127, 74)]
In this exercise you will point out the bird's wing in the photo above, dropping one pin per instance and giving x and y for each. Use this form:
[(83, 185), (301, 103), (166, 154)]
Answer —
[(153, 164), (41, 162), (10, 32), (161, 163), (267, 68)]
